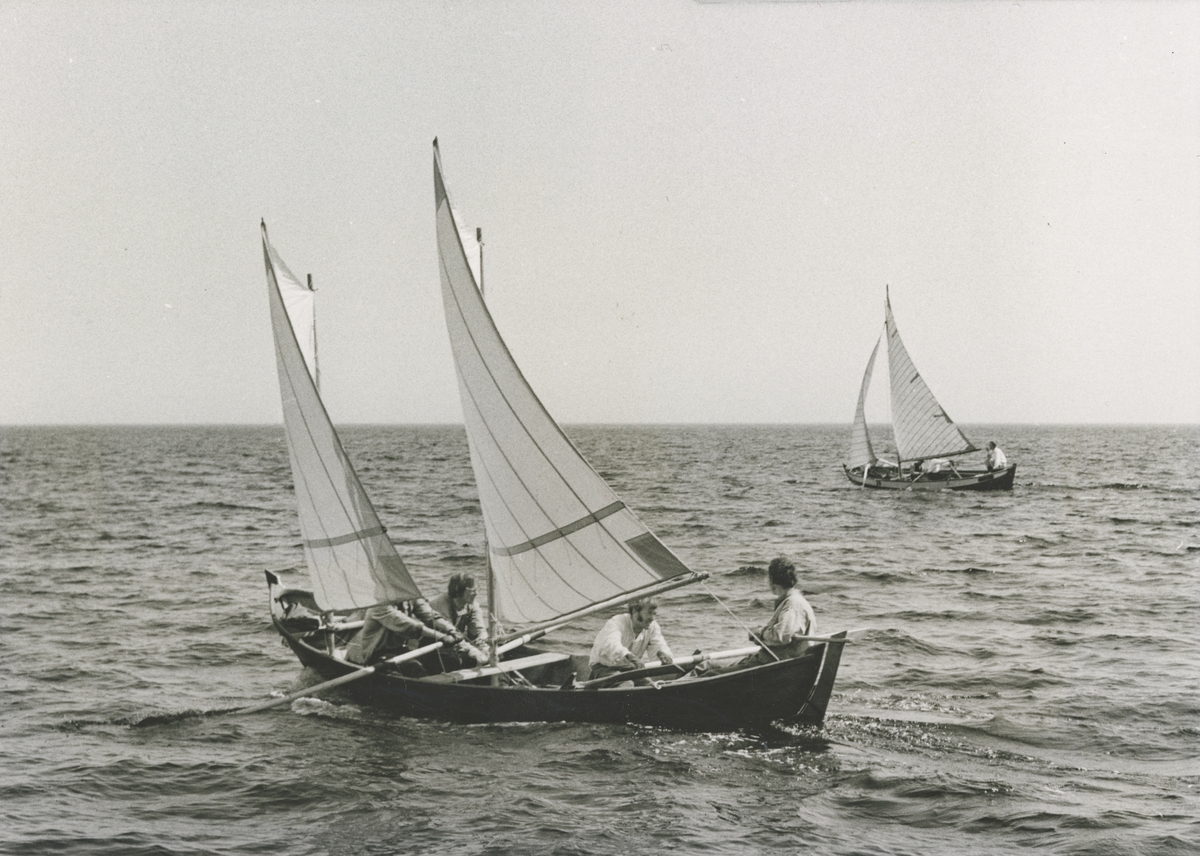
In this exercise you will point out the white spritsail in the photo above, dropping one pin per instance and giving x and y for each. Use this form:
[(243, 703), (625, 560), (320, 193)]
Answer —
[(862, 454), (922, 428), (559, 538), (351, 561), (301, 306)]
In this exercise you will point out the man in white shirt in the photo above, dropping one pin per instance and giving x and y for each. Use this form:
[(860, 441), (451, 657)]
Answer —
[(626, 640), (995, 457)]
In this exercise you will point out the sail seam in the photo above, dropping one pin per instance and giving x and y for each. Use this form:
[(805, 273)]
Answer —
[(385, 570), (470, 340), (489, 478), (362, 535), (320, 584), (470, 396), (562, 531)]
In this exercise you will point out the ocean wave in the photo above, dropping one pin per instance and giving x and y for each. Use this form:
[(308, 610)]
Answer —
[(1010, 669), (1053, 617), (751, 571), (224, 506), (969, 571)]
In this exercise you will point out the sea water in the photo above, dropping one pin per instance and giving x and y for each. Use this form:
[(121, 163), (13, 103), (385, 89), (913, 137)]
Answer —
[(1027, 675)]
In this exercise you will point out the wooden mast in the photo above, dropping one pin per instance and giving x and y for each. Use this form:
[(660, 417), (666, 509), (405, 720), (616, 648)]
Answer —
[(316, 362), (493, 656)]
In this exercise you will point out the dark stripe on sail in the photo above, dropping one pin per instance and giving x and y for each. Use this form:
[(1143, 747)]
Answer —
[(555, 534), (655, 554), (346, 539)]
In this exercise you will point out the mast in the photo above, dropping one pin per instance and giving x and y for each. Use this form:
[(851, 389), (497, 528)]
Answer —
[(316, 364), (487, 552), (887, 311)]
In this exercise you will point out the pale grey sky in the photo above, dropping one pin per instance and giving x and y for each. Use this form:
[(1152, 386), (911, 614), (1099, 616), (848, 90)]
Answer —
[(690, 210)]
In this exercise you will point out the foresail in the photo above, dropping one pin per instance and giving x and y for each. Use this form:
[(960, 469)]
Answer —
[(351, 561), (922, 428), (862, 454), (559, 538), (302, 310)]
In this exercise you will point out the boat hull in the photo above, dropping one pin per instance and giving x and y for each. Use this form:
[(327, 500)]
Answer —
[(793, 691), (946, 480)]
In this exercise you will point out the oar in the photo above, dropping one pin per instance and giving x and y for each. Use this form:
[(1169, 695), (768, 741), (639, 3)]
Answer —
[(337, 682), (527, 638), (682, 663), (394, 661), (662, 668)]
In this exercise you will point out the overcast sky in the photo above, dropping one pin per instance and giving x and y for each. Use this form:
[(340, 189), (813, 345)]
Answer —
[(690, 210)]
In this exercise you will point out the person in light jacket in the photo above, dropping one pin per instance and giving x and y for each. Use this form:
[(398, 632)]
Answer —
[(458, 606), (792, 618), (393, 628), (782, 637)]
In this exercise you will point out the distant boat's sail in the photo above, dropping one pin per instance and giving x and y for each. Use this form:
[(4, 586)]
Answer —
[(862, 454), (922, 428), (351, 561), (559, 538)]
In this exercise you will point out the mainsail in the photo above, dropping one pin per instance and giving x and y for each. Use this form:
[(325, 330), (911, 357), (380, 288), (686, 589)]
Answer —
[(862, 454), (351, 561), (559, 538), (922, 428)]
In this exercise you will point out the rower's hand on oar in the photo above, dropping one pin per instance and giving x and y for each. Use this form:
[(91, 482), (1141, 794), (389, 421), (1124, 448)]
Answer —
[(665, 658), (475, 654)]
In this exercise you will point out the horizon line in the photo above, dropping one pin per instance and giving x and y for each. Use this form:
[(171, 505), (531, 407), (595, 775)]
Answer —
[(417, 424)]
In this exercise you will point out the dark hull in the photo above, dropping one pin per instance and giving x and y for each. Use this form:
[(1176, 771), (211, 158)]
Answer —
[(963, 480), (796, 691)]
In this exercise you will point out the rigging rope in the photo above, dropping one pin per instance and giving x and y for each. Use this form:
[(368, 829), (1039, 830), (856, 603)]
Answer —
[(752, 634)]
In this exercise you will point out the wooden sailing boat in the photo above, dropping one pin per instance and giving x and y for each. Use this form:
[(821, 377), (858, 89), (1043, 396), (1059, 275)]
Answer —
[(927, 440), (561, 545)]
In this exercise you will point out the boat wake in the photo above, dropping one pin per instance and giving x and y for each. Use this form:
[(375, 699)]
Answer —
[(171, 718)]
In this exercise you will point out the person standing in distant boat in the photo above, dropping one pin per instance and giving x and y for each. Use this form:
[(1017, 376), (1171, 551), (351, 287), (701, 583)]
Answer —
[(626, 640), (458, 606), (995, 457)]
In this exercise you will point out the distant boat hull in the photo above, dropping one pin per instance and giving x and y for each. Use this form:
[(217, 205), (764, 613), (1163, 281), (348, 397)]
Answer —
[(945, 480), (794, 691)]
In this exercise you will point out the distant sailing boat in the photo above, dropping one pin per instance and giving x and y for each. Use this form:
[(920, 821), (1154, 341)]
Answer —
[(926, 437), (561, 545)]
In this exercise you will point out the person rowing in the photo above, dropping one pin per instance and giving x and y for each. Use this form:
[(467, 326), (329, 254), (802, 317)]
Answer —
[(626, 640)]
